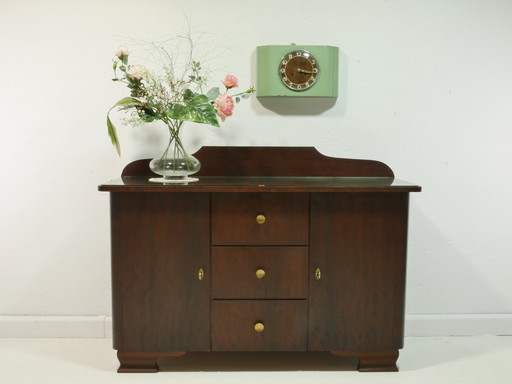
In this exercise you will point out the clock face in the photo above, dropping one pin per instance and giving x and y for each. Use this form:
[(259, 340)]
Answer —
[(298, 70)]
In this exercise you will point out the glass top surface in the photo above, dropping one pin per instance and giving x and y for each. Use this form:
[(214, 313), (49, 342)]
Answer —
[(260, 182)]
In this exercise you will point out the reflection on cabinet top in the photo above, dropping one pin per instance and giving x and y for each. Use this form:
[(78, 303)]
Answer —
[(268, 169)]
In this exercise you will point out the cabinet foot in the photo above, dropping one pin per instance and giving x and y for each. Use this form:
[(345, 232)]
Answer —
[(373, 361), (142, 361)]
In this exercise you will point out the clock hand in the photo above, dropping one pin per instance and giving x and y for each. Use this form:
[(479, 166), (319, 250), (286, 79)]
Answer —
[(304, 71)]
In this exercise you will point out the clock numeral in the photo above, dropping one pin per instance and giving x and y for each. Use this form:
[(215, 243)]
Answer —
[(299, 86), (315, 70), (285, 62), (282, 70), (290, 56)]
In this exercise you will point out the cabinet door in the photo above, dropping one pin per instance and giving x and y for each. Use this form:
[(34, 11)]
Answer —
[(358, 243), (160, 241)]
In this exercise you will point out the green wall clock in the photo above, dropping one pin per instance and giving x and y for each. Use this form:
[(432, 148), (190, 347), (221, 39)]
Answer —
[(297, 71)]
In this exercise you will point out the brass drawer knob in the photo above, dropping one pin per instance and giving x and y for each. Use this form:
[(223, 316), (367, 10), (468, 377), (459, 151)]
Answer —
[(260, 219), (260, 273), (259, 327), (318, 274)]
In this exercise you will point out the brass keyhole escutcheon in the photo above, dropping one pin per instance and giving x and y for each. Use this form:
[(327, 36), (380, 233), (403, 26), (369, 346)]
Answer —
[(260, 219), (259, 327), (200, 274), (318, 274), (260, 273)]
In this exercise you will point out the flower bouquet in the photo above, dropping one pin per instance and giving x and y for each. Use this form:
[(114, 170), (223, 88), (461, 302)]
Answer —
[(172, 98)]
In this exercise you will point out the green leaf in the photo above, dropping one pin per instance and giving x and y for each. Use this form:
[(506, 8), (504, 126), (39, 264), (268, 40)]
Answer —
[(113, 135), (147, 115), (188, 95), (197, 108), (213, 93), (127, 102), (237, 99)]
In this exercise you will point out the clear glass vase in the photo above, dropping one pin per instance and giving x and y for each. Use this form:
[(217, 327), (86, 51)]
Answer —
[(175, 165)]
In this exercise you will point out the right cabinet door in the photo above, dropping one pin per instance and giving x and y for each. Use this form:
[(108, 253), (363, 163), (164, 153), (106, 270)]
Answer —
[(357, 263)]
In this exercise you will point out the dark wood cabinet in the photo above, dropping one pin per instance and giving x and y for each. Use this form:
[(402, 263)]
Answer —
[(261, 254)]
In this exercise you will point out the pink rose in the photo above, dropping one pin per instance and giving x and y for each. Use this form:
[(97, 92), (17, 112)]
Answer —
[(230, 81), (224, 106)]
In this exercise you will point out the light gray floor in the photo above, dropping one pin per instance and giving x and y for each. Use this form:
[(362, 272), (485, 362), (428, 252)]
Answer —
[(474, 359)]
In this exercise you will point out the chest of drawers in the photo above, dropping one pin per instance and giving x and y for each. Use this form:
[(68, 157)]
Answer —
[(302, 255), (259, 271)]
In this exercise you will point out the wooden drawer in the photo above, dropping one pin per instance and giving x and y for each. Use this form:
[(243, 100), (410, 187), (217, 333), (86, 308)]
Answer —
[(260, 272), (260, 219), (284, 325)]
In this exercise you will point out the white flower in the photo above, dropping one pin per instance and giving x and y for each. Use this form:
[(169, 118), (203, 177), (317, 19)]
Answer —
[(137, 72), (122, 51)]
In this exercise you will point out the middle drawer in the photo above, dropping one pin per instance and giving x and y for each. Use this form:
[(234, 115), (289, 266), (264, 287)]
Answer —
[(259, 272)]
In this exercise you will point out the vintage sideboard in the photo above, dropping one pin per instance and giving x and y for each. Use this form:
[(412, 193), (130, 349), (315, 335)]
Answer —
[(273, 249)]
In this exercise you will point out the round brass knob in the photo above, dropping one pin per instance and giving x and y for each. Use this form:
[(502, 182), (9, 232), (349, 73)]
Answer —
[(260, 219), (259, 327), (260, 273)]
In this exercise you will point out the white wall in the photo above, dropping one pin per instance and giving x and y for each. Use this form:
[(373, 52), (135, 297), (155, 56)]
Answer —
[(425, 86)]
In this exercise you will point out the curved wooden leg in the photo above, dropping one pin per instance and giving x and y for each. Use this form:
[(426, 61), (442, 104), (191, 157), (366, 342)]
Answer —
[(373, 361), (142, 361)]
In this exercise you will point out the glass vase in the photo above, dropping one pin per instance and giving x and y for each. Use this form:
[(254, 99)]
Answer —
[(175, 165)]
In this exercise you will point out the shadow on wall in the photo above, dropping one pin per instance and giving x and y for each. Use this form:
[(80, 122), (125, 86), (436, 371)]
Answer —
[(297, 105)]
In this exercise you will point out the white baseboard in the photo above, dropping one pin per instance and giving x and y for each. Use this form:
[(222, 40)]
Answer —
[(101, 326), (95, 327)]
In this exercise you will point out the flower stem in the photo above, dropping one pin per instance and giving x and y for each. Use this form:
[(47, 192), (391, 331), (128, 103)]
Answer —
[(174, 127)]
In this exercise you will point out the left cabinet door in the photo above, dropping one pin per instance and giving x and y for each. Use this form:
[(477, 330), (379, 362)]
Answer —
[(160, 242)]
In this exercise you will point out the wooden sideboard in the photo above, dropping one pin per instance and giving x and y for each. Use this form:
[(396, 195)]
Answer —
[(273, 249)]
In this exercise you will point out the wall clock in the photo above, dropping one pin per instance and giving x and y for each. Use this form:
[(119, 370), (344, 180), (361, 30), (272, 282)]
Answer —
[(297, 71)]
